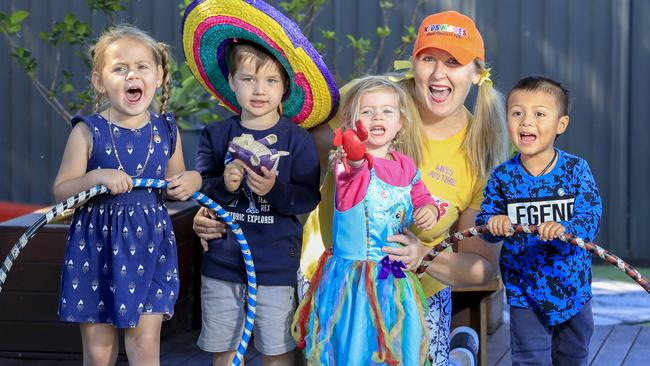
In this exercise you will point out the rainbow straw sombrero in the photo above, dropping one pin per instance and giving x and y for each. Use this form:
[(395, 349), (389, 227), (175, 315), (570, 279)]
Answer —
[(209, 27)]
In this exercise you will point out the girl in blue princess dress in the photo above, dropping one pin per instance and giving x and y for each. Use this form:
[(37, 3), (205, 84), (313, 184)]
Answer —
[(363, 308), (120, 267)]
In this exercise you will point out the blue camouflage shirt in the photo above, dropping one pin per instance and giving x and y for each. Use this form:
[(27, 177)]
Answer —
[(553, 277)]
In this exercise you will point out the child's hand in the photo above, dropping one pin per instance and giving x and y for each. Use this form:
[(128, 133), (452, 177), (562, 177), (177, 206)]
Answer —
[(351, 141), (115, 180), (500, 225), (260, 184), (334, 157), (550, 230), (183, 185), (233, 175), (426, 217)]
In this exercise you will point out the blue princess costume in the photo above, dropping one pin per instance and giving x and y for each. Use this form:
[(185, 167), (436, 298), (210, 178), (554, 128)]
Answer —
[(121, 261), (361, 307)]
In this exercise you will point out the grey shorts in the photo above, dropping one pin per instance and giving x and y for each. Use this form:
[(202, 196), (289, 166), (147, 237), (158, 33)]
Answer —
[(223, 305)]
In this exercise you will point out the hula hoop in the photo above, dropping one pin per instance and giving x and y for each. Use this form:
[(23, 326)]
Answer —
[(154, 183), (604, 254)]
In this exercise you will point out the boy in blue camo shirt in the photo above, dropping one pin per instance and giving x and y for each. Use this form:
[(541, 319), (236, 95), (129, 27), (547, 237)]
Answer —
[(548, 281)]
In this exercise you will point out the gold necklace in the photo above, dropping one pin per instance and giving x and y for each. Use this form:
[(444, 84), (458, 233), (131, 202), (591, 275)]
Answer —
[(117, 155)]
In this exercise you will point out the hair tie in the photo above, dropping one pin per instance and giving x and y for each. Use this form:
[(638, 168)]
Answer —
[(404, 70), (485, 77)]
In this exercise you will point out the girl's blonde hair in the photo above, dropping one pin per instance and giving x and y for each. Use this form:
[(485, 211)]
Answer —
[(486, 141), (160, 52), (409, 138)]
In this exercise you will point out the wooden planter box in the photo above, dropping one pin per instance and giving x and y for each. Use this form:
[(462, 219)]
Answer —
[(29, 322)]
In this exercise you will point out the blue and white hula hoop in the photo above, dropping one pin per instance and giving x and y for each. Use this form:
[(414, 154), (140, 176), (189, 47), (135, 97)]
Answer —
[(204, 200)]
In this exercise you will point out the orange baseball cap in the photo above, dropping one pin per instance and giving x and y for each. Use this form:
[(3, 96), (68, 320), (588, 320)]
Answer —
[(453, 32)]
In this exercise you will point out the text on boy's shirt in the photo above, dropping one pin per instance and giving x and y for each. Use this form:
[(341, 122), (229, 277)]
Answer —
[(534, 211)]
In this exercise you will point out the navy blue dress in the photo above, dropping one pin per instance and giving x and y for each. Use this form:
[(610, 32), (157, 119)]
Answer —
[(120, 259)]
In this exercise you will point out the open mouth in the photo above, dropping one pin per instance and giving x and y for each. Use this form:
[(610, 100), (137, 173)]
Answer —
[(439, 93), (133, 95), (377, 131), (527, 138)]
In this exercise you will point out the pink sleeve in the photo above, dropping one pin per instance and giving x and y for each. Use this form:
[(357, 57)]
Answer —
[(351, 187), (420, 195)]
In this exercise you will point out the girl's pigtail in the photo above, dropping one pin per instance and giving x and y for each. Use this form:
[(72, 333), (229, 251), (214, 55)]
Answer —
[(95, 61), (164, 61), (98, 101)]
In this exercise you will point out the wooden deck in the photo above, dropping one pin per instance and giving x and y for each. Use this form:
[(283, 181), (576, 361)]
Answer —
[(624, 345), (179, 349), (620, 345)]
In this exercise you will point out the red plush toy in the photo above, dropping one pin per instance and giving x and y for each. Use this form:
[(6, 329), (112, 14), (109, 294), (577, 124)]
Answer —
[(352, 143)]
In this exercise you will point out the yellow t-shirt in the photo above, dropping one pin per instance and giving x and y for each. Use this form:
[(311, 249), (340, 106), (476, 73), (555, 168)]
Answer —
[(446, 172)]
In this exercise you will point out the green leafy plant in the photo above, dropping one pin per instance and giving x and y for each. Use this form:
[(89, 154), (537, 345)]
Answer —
[(11, 25), (361, 47), (190, 103), (304, 13)]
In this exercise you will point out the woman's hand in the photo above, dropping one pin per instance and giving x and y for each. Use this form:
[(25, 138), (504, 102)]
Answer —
[(207, 227), (411, 252)]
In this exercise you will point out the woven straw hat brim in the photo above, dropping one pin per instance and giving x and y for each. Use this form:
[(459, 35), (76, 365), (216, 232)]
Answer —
[(209, 27)]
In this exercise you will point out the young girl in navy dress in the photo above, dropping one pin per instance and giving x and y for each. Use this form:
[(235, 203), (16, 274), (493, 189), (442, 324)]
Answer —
[(120, 267)]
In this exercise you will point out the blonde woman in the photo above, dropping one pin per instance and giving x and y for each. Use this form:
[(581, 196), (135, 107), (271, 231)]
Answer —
[(460, 150)]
